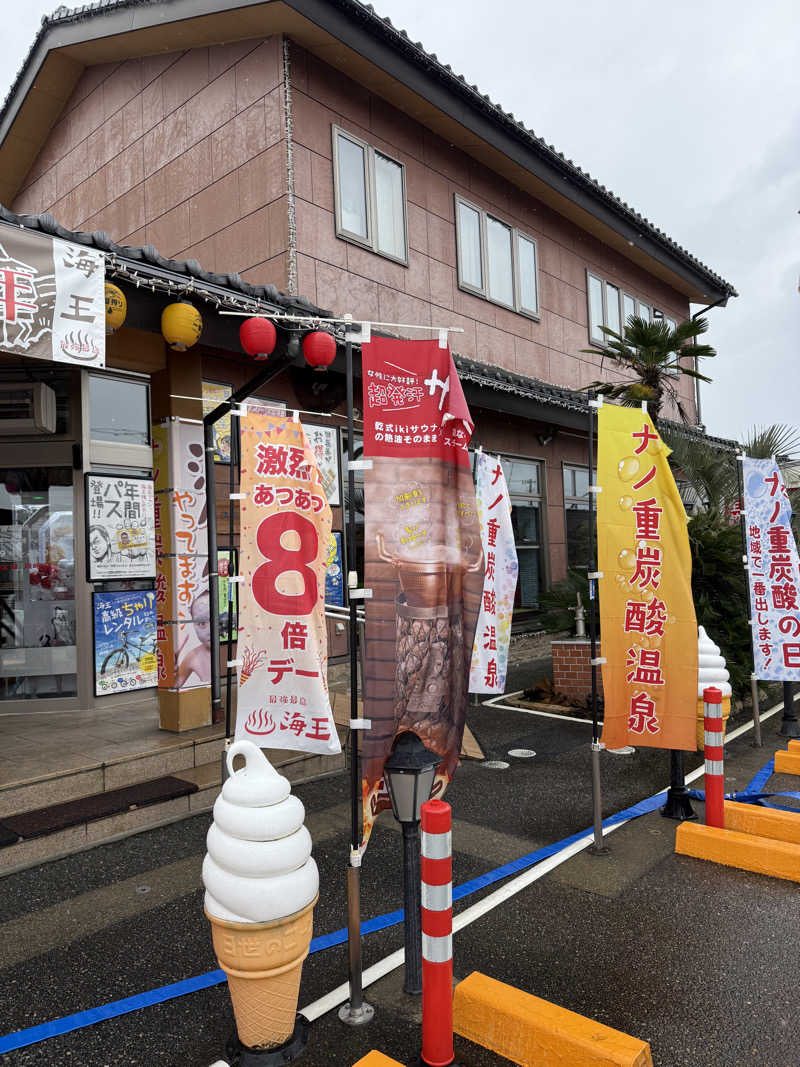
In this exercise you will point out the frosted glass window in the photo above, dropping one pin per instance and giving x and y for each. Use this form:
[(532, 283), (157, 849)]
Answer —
[(526, 253), (501, 277), (469, 251), (595, 308), (352, 187), (390, 207), (644, 312), (628, 308)]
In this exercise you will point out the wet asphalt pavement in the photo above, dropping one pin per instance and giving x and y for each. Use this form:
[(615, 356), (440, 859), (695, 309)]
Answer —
[(701, 961)]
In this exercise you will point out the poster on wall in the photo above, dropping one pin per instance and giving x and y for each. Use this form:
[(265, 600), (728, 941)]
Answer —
[(334, 584), (423, 558), (285, 537), (52, 298), (124, 642), (493, 634), (214, 394), (647, 618), (184, 618), (773, 572), (227, 565), (120, 527), (324, 443)]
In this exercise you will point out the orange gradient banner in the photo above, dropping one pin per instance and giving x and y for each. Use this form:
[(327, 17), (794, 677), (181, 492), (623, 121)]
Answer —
[(648, 627)]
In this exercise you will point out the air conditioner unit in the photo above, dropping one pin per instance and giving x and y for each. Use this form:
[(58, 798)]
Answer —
[(26, 408)]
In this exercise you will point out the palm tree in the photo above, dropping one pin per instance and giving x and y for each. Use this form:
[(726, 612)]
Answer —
[(652, 353)]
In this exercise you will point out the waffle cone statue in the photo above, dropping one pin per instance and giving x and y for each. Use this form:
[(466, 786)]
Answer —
[(261, 886)]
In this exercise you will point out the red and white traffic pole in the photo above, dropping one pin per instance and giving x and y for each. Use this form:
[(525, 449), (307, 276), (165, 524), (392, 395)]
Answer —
[(714, 754), (437, 935)]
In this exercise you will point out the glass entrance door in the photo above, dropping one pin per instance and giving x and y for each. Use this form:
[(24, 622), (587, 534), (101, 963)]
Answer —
[(37, 584)]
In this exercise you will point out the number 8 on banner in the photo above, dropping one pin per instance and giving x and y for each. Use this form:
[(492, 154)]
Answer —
[(282, 558)]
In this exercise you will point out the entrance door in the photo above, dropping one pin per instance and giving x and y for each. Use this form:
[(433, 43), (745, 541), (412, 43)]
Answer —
[(37, 575)]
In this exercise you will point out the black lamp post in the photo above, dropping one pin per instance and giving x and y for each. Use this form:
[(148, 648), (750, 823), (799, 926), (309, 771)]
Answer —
[(409, 772), (790, 727)]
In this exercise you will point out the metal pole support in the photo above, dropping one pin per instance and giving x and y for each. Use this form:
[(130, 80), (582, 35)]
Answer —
[(598, 847), (412, 906), (756, 711), (356, 1011)]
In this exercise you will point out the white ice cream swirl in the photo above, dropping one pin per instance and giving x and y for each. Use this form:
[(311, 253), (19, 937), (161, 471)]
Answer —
[(710, 665), (258, 866)]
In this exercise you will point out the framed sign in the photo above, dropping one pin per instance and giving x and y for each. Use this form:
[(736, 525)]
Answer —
[(227, 565), (120, 527), (125, 642), (324, 442), (214, 394), (334, 586)]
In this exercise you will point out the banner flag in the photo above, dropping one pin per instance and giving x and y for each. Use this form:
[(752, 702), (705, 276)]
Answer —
[(493, 635), (285, 538), (181, 547), (52, 298), (647, 623), (773, 572), (423, 558)]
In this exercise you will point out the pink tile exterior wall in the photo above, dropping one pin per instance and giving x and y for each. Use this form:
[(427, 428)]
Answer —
[(343, 276), (184, 151)]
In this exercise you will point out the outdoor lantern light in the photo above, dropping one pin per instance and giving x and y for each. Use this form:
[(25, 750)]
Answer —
[(409, 772), (116, 308), (258, 337), (181, 325), (319, 348)]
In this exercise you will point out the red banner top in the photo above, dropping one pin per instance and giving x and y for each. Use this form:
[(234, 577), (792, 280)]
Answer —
[(414, 406)]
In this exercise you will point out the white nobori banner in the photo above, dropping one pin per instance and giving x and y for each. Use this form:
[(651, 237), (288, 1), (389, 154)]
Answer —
[(773, 572), (493, 634)]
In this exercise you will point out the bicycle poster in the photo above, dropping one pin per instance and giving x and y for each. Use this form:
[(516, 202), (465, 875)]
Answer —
[(125, 642)]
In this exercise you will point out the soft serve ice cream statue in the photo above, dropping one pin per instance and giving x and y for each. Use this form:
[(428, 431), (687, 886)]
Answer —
[(711, 670), (261, 886)]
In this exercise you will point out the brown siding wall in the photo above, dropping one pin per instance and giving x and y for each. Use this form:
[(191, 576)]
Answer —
[(184, 151), (343, 276)]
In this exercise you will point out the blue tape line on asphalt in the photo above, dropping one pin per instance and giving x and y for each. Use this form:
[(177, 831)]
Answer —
[(34, 1034)]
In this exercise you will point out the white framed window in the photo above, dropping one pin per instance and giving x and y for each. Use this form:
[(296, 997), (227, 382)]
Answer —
[(370, 197), (611, 306), (496, 260)]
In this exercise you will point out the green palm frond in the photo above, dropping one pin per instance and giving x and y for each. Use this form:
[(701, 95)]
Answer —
[(778, 440)]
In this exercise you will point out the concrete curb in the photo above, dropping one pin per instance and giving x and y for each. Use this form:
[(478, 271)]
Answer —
[(530, 1031), (748, 852)]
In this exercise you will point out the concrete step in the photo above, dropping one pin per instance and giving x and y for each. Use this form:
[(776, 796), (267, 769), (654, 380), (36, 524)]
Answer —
[(296, 766)]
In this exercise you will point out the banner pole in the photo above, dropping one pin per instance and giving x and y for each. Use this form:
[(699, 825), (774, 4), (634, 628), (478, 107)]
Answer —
[(356, 1011), (743, 531), (598, 847)]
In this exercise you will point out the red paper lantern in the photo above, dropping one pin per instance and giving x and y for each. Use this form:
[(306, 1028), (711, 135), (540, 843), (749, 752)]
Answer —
[(258, 337), (319, 348)]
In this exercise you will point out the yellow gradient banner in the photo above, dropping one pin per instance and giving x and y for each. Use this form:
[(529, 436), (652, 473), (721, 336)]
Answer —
[(647, 623)]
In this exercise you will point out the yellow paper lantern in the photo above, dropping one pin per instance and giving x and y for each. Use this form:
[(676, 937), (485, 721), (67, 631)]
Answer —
[(181, 325), (116, 308)]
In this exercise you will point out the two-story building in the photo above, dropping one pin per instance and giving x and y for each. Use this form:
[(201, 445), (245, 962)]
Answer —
[(311, 146)]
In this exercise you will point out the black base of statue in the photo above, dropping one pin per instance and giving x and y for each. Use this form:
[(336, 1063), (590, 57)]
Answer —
[(790, 727), (239, 1055)]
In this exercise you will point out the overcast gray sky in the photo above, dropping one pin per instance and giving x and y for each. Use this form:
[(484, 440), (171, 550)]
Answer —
[(688, 109)]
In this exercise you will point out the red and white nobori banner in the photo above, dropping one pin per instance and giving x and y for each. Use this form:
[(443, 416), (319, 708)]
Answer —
[(493, 635), (422, 558), (773, 572), (52, 298), (283, 647)]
